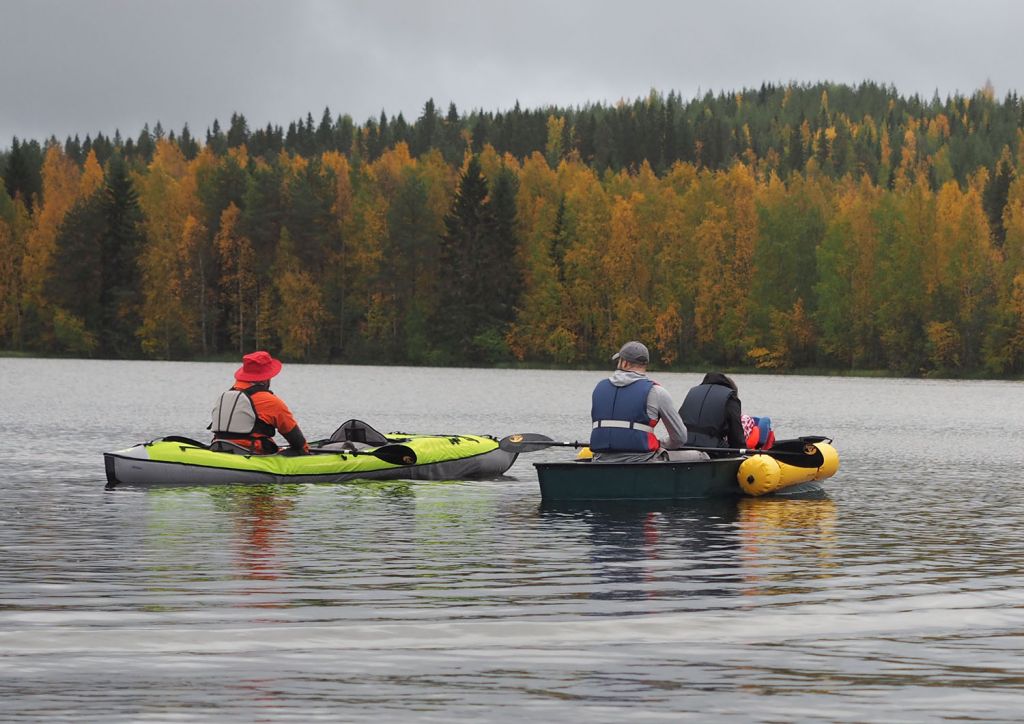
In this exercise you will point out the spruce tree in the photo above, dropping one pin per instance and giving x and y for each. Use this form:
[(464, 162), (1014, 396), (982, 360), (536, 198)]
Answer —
[(144, 146), (480, 133), (400, 130), (506, 283), (466, 296), (187, 144), (238, 131), (344, 133), (23, 176), (425, 129), (120, 246), (325, 132), (76, 285), (453, 148), (994, 198), (216, 140), (410, 276)]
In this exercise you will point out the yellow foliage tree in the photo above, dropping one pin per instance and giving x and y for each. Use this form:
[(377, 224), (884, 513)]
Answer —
[(539, 317), (92, 176), (628, 279), (299, 310), (238, 279), (725, 239), (553, 148), (167, 195), (61, 189), (583, 314)]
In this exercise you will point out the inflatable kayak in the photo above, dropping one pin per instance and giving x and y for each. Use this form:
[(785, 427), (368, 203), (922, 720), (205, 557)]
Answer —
[(353, 452)]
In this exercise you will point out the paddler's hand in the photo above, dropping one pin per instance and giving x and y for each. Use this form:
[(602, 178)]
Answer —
[(297, 440)]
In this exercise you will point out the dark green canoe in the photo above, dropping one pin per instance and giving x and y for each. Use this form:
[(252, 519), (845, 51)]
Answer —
[(695, 480)]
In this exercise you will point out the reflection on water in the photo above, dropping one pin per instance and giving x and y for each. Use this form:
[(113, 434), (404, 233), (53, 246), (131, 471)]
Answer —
[(656, 550), (260, 533), (896, 597), (774, 529)]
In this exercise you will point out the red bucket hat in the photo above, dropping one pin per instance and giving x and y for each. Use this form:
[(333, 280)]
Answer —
[(257, 366)]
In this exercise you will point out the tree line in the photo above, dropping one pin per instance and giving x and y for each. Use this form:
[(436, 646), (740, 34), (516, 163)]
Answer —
[(791, 226)]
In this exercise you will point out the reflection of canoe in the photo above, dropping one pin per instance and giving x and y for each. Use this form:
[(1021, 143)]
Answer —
[(695, 479), (178, 461)]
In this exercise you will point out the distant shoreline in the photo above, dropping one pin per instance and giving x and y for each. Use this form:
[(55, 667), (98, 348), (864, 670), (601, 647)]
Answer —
[(802, 372)]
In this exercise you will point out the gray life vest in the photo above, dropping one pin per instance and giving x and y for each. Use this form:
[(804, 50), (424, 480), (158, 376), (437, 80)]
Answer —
[(234, 415)]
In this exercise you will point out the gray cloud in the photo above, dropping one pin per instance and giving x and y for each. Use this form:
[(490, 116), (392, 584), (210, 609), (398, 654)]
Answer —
[(96, 65)]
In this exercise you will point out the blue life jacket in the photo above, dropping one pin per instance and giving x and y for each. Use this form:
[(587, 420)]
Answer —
[(620, 418), (703, 413)]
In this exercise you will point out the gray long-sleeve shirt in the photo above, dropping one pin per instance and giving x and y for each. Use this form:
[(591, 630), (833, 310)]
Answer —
[(659, 407)]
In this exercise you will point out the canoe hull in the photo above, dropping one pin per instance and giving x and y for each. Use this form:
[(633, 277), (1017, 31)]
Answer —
[(697, 480)]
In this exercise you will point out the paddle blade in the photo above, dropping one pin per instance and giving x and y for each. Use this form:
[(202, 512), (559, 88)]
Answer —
[(522, 442), (395, 454), (801, 456)]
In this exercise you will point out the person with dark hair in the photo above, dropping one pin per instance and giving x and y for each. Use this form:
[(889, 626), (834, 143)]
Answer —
[(249, 413), (711, 412), (626, 407)]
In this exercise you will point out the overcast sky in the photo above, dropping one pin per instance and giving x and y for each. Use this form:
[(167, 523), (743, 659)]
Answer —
[(82, 66)]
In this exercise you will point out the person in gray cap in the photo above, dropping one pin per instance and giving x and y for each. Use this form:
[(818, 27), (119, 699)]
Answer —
[(625, 409)]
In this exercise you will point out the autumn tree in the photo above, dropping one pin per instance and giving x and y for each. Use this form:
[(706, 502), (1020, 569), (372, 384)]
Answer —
[(845, 288), (906, 223), (168, 200), (61, 189), (538, 332), (298, 309), (237, 279), (791, 227), (725, 239)]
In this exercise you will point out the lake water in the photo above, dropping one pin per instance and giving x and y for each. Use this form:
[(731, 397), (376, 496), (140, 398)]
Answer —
[(899, 597)]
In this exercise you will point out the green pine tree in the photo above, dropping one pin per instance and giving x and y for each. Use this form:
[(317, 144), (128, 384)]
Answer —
[(120, 245), (464, 321)]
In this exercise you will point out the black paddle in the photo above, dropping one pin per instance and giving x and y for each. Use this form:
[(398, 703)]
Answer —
[(524, 442), (394, 453), (793, 452)]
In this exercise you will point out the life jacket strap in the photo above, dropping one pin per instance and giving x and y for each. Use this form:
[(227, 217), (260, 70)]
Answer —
[(624, 424)]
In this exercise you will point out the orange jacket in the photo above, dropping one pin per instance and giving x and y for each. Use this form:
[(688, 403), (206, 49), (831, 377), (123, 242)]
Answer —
[(272, 410)]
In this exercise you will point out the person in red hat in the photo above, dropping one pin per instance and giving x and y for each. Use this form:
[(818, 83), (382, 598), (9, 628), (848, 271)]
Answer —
[(249, 413)]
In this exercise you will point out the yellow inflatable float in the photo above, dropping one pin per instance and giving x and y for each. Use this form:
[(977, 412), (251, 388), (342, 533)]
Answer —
[(761, 474)]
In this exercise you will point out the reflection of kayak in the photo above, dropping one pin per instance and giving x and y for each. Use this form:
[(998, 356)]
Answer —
[(777, 472), (179, 461)]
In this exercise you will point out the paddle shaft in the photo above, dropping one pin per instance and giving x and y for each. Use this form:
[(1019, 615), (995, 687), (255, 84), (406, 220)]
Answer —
[(395, 454), (531, 441)]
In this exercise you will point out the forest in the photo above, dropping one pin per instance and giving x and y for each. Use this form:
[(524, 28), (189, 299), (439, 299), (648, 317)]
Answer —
[(789, 227)]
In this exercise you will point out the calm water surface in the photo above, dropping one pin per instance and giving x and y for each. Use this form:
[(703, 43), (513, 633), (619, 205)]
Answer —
[(899, 597)]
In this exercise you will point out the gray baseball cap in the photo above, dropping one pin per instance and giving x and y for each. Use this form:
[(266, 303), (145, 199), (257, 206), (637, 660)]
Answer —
[(635, 352)]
